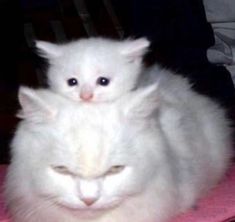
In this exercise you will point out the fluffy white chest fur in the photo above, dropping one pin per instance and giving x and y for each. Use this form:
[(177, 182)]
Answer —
[(145, 157)]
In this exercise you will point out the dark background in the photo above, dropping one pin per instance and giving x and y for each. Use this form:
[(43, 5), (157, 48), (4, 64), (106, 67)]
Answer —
[(178, 30), (22, 22)]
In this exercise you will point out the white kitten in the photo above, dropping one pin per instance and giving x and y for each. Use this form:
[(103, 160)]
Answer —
[(145, 157), (94, 69)]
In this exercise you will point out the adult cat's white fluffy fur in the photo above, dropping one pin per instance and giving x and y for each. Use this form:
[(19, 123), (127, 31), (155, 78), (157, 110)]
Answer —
[(85, 61), (145, 157)]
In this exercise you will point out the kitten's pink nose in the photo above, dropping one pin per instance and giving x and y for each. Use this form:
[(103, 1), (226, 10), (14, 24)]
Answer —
[(89, 201), (86, 96)]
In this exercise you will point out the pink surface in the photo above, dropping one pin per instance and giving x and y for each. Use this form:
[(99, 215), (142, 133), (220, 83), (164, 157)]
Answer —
[(3, 216), (218, 206)]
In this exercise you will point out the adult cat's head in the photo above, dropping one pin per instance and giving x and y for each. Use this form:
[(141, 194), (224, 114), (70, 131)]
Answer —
[(94, 69), (81, 157)]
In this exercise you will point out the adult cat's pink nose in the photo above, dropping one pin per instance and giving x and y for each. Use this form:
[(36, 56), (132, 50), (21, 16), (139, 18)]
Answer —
[(89, 201), (86, 96)]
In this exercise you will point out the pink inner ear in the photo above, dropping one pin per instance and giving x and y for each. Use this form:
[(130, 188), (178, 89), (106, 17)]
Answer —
[(136, 48), (49, 50), (133, 58)]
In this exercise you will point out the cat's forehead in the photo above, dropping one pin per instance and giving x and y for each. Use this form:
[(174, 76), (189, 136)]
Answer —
[(90, 138), (93, 49), (93, 57), (93, 122), (90, 118)]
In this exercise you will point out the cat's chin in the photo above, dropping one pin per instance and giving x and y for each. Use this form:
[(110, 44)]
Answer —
[(87, 212), (95, 99)]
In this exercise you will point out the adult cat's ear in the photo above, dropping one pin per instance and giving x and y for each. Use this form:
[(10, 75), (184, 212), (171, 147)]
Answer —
[(134, 49), (141, 103), (34, 106), (48, 50)]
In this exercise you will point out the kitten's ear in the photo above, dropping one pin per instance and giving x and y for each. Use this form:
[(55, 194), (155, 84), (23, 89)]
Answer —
[(33, 106), (141, 103), (48, 50), (134, 49)]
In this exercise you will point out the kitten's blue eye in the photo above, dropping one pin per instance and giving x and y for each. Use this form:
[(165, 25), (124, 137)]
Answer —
[(72, 82), (103, 81)]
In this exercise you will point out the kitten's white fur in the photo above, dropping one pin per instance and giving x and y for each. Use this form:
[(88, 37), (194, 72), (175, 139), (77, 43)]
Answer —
[(91, 58), (145, 157)]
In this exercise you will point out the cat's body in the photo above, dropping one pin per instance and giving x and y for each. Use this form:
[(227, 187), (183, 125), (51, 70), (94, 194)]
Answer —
[(145, 157), (93, 69)]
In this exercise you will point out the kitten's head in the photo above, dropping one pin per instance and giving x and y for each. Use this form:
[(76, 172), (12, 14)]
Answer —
[(94, 69), (80, 158)]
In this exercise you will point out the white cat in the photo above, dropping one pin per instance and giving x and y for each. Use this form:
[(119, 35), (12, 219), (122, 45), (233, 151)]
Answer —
[(144, 158), (93, 69)]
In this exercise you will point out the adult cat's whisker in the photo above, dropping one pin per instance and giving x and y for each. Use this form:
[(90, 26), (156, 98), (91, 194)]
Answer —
[(28, 213)]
